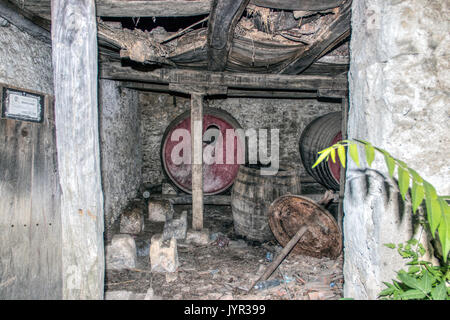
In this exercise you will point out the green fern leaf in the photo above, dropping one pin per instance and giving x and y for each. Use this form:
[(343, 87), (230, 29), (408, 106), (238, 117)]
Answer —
[(403, 181), (433, 207), (353, 151), (323, 155), (341, 154), (370, 153), (333, 155), (390, 163), (417, 195)]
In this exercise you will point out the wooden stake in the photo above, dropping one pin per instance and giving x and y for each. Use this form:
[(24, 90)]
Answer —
[(197, 159), (274, 265)]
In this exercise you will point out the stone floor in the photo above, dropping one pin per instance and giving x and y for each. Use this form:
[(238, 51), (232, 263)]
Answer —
[(224, 269)]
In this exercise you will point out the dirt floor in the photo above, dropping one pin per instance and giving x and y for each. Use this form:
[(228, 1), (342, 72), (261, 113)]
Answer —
[(226, 268)]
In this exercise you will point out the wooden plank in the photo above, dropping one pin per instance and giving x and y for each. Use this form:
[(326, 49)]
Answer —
[(24, 21), (151, 8), (328, 38), (134, 8), (232, 93), (340, 215), (74, 42), (115, 71), (217, 200), (223, 18), (197, 160), (30, 237), (304, 5)]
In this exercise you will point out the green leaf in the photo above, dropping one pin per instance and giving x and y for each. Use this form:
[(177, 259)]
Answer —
[(353, 151), (390, 163), (415, 175), (386, 292), (323, 154), (426, 282), (413, 269), (439, 292), (370, 153), (433, 207), (403, 181), (390, 245), (408, 280), (341, 154), (412, 295), (417, 195), (333, 155), (444, 228)]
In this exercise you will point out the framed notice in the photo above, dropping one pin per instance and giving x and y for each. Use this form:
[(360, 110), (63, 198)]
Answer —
[(22, 105)]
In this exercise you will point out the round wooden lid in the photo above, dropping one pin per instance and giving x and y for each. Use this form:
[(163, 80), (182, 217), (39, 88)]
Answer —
[(323, 238)]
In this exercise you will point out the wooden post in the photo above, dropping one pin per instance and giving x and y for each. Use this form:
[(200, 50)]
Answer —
[(74, 45), (340, 215), (197, 159)]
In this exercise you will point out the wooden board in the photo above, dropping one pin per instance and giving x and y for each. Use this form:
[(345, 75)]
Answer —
[(74, 42), (115, 71), (30, 234)]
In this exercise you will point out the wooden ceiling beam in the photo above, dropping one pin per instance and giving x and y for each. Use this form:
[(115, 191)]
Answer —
[(115, 71), (328, 38), (25, 21), (303, 5), (150, 8), (224, 16)]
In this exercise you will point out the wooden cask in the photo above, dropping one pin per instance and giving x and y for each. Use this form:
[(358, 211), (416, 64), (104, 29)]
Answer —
[(321, 133), (252, 195)]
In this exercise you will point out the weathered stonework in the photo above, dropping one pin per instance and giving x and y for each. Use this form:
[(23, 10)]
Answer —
[(399, 98), (25, 62), (289, 115), (120, 147)]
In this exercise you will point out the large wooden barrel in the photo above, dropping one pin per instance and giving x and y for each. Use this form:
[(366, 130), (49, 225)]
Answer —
[(217, 177), (252, 195), (321, 133)]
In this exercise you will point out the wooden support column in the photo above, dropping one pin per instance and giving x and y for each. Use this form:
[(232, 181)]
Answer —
[(74, 43), (340, 216), (197, 159)]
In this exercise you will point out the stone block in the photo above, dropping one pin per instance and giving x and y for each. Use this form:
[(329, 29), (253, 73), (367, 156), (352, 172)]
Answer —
[(132, 221), (167, 188), (160, 210), (121, 253), (195, 237), (118, 295), (163, 254), (176, 228)]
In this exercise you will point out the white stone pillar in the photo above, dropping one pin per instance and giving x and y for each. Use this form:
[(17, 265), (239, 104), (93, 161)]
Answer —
[(399, 100)]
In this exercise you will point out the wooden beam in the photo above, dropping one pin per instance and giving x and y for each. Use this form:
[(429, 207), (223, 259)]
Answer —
[(235, 93), (329, 37), (24, 21), (150, 8), (197, 159), (74, 43), (223, 18), (114, 71), (303, 5)]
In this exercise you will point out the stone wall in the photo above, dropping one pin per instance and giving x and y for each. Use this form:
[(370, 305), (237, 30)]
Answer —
[(399, 97), (25, 62), (120, 147), (289, 115)]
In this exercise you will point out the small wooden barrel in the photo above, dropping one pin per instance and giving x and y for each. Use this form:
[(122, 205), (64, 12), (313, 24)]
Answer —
[(323, 238), (252, 195)]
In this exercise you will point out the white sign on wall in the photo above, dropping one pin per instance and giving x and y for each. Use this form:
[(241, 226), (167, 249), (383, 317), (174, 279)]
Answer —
[(22, 105)]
